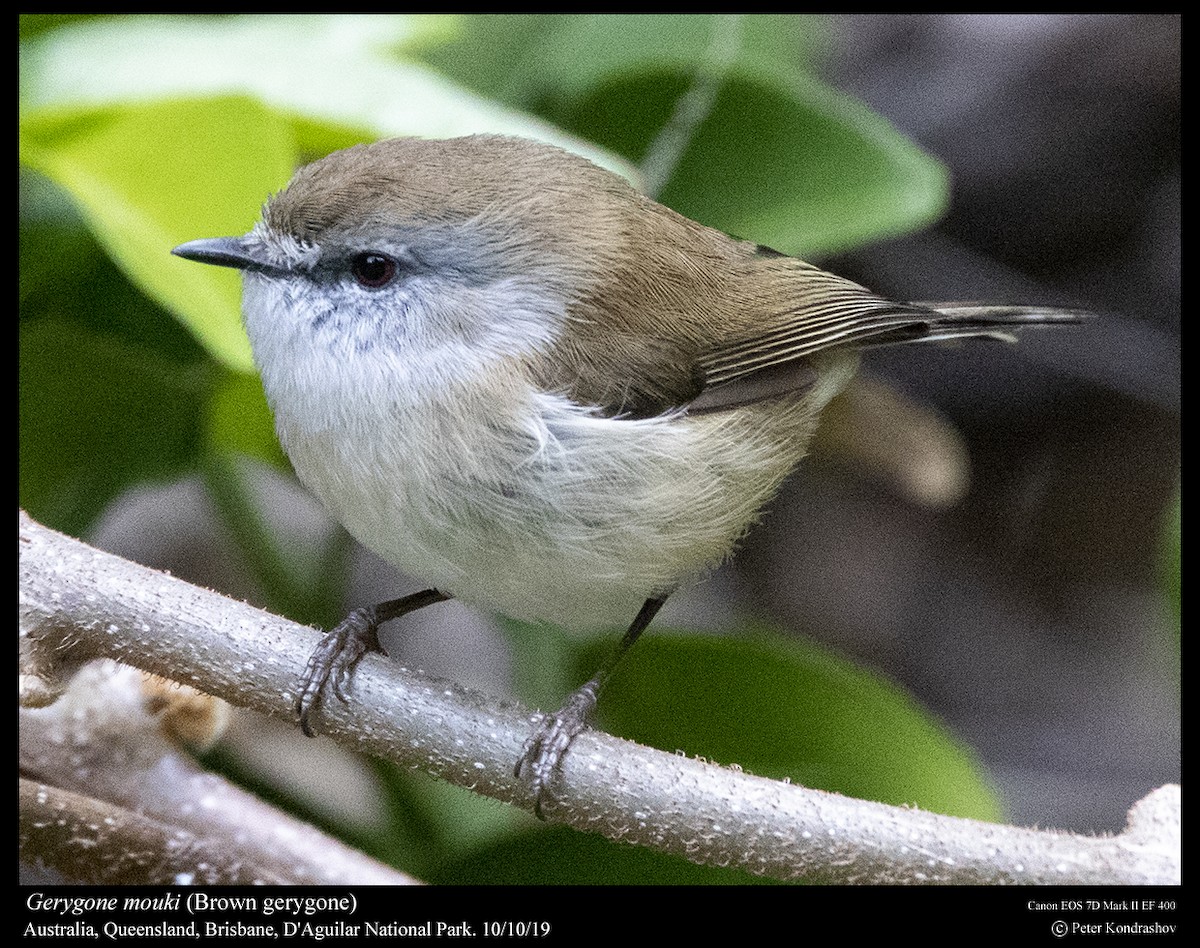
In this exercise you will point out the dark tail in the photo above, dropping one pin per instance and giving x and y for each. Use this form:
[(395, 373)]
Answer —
[(974, 321)]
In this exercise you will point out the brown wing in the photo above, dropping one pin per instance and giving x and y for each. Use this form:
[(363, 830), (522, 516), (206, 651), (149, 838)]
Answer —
[(823, 311), (710, 322)]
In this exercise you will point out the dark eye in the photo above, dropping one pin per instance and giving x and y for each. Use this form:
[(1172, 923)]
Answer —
[(373, 270)]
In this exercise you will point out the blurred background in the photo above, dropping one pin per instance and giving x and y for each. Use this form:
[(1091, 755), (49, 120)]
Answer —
[(1030, 614), (984, 546)]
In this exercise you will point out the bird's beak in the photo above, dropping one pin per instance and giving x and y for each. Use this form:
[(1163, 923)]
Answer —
[(237, 252)]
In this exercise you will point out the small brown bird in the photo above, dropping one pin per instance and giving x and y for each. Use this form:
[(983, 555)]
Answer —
[(512, 375)]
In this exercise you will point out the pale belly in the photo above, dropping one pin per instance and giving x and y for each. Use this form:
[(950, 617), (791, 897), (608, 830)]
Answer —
[(419, 429), (563, 517)]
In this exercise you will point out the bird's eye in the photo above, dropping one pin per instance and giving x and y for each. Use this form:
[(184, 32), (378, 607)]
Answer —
[(373, 270)]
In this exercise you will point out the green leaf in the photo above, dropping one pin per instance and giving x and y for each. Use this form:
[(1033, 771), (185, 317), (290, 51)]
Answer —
[(437, 823), (819, 173), (97, 414), (587, 50), (100, 368), (33, 24), (544, 661), (239, 420), (799, 167), (501, 56), (771, 153), (525, 59), (284, 60), (149, 177), (347, 71), (785, 709)]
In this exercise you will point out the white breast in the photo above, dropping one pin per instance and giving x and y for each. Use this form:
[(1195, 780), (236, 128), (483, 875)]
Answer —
[(513, 499)]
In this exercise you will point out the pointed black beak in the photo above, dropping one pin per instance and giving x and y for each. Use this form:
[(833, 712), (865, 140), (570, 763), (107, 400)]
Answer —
[(236, 252)]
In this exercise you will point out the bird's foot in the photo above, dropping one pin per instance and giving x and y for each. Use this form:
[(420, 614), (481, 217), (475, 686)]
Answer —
[(542, 757), (333, 660)]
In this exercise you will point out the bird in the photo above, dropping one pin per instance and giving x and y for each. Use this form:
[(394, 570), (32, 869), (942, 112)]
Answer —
[(519, 379)]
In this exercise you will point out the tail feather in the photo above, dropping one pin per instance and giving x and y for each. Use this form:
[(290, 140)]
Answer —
[(775, 362), (974, 321)]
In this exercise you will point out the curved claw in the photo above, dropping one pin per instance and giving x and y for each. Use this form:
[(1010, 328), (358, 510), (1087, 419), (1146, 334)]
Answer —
[(344, 646), (542, 756), (334, 658)]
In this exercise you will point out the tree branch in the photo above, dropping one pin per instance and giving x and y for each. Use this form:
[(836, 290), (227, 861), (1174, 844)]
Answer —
[(94, 841), (106, 795), (78, 603)]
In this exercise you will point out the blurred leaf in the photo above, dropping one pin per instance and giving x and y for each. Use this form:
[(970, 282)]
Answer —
[(777, 156), (778, 708), (342, 70), (97, 414), (439, 823), (33, 24), (785, 709), (304, 63), (545, 660), (500, 56), (239, 420), (528, 58), (561, 856), (65, 274), (821, 173), (590, 49), (148, 177), (801, 167), (100, 366)]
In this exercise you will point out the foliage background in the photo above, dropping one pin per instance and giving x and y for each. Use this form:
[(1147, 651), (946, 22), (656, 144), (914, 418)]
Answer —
[(1028, 623)]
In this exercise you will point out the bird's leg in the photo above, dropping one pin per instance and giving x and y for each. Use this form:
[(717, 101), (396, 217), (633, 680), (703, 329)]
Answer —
[(345, 644), (543, 753)]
